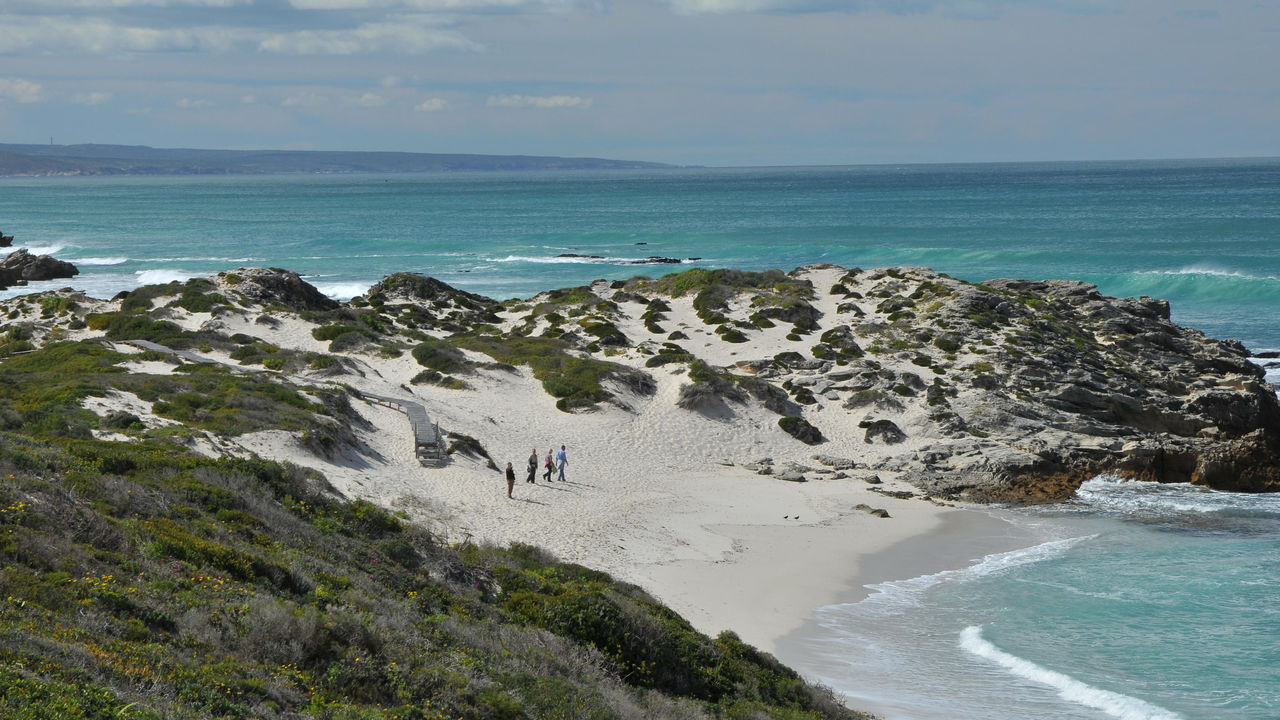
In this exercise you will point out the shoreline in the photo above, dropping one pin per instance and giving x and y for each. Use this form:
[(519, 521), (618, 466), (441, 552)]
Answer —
[(959, 540)]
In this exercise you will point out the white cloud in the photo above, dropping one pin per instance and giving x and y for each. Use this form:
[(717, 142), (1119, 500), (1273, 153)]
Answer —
[(194, 104), (388, 37), (391, 81), (19, 90), (96, 35), (402, 35), (961, 8), (248, 99), (91, 98), (305, 99), (116, 4), (536, 101), (434, 104), (452, 6), (371, 100)]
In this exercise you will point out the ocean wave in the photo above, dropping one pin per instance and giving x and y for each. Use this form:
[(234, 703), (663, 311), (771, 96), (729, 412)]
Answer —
[(41, 249), (160, 277), (196, 258), (1200, 283), (909, 593), (1144, 498), (1213, 272), (1117, 705), (587, 260), (98, 260), (342, 291)]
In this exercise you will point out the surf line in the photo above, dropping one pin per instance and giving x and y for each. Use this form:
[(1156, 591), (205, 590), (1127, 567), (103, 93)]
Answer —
[(1114, 704)]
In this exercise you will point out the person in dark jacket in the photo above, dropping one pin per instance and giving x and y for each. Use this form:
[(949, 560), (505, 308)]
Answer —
[(533, 465), (511, 479)]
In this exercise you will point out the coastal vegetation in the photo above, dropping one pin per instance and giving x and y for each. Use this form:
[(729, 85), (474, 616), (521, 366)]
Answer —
[(152, 566), (142, 581)]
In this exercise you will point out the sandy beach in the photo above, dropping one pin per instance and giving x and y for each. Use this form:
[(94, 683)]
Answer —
[(657, 495)]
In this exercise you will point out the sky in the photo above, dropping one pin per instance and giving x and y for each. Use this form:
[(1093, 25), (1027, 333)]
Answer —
[(687, 82)]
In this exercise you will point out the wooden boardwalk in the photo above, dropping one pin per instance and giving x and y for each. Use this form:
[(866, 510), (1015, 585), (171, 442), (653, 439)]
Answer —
[(184, 354), (428, 443)]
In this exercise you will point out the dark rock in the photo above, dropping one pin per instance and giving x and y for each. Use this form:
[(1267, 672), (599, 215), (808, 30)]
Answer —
[(21, 265), (651, 260), (273, 286), (800, 429), (6, 240), (886, 431), (838, 463), (898, 494)]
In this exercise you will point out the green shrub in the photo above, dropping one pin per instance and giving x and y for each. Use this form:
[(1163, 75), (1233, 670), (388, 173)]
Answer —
[(440, 356)]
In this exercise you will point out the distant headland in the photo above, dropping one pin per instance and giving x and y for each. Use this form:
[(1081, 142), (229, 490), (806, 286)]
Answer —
[(42, 160)]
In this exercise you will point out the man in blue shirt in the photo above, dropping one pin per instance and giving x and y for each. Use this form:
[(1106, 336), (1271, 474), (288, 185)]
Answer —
[(561, 459)]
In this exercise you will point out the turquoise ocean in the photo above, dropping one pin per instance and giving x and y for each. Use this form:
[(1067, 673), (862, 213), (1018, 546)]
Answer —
[(1134, 601)]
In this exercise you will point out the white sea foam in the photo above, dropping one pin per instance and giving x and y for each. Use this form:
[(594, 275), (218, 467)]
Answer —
[(160, 277), (206, 259), (42, 249), (581, 260), (342, 291), (1138, 497), (1212, 272), (909, 592), (98, 260), (1117, 705)]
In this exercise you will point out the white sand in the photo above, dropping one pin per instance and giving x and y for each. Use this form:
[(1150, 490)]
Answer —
[(655, 494)]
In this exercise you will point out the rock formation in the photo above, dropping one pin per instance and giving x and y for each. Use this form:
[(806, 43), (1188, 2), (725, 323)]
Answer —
[(21, 267), (1010, 390), (273, 286)]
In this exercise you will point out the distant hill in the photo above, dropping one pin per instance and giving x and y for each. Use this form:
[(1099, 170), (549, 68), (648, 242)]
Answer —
[(143, 160)]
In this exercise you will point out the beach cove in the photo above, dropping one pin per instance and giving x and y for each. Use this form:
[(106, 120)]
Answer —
[(682, 476)]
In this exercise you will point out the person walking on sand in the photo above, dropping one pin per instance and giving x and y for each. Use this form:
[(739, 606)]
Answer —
[(533, 466), (511, 479), (550, 465), (561, 459)]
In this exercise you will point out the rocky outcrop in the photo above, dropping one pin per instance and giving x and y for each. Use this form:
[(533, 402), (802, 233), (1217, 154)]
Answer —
[(1009, 390), (6, 240), (21, 267), (650, 260), (424, 302), (273, 286), (1072, 384)]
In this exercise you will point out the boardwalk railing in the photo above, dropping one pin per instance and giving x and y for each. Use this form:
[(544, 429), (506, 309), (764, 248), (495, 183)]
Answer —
[(428, 443)]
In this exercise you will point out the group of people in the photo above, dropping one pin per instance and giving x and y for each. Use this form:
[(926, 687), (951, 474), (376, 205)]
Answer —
[(554, 461)]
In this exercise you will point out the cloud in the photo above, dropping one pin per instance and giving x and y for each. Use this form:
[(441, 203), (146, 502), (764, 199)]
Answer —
[(121, 4), (388, 37), (402, 35), (96, 35), (450, 6), (194, 104), (535, 101), (960, 8), (19, 90), (434, 104), (91, 98), (305, 99), (371, 100)]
